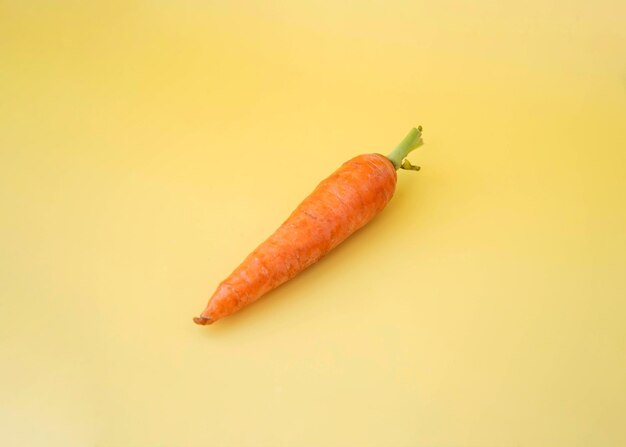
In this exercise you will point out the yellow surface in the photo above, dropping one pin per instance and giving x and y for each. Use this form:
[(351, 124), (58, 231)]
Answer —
[(147, 147)]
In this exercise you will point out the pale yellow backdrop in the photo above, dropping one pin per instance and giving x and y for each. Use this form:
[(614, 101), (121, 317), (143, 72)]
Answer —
[(147, 147)]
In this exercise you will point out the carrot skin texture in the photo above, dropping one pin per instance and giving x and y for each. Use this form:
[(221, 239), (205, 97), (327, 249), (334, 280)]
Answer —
[(340, 205)]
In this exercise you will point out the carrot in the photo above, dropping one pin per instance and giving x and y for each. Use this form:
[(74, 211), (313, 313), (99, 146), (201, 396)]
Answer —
[(340, 205)]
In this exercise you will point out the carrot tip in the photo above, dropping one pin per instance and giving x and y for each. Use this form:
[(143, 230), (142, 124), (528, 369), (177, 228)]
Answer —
[(202, 320)]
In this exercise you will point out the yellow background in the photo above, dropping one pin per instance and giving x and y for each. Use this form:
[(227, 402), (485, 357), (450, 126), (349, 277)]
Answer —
[(147, 147)]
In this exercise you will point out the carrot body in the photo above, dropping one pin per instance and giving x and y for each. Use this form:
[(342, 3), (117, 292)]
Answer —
[(339, 206)]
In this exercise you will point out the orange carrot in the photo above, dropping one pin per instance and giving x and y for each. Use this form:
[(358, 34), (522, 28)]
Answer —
[(340, 205)]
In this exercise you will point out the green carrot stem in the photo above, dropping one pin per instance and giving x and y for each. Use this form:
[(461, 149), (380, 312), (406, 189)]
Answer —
[(412, 141)]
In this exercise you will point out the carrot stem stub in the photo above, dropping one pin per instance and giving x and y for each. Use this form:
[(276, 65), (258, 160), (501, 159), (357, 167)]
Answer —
[(412, 141), (339, 206)]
